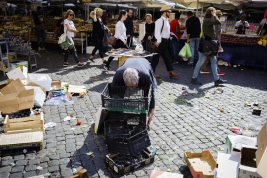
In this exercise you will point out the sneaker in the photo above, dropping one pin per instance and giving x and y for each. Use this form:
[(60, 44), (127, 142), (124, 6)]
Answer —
[(221, 73), (80, 64), (66, 64), (195, 81), (40, 49), (106, 67), (219, 81), (204, 71), (104, 62)]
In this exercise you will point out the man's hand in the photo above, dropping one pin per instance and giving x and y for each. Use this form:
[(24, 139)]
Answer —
[(149, 37), (125, 43), (150, 116), (128, 35), (188, 40), (157, 44), (171, 38)]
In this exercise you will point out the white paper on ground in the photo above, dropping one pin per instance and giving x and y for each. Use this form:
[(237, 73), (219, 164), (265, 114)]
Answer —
[(50, 124), (67, 118), (228, 165)]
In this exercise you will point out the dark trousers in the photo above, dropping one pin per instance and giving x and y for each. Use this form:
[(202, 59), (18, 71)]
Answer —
[(40, 33), (130, 41), (66, 55), (119, 44), (163, 50), (99, 47)]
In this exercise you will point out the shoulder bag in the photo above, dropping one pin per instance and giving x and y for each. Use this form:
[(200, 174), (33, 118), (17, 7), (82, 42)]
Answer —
[(152, 45), (210, 47)]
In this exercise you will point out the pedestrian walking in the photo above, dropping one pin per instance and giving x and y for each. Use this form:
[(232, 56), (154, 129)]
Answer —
[(69, 28), (162, 35), (38, 19), (120, 35), (209, 34)]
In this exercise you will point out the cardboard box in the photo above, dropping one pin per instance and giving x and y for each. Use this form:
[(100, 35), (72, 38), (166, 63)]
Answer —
[(248, 167), (123, 170), (228, 165), (261, 153), (19, 65), (76, 89), (162, 174), (17, 73), (15, 102), (42, 80), (55, 85), (13, 87), (39, 95), (234, 143), (201, 165)]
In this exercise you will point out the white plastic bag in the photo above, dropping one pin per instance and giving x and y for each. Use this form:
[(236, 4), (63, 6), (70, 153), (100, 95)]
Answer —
[(139, 47)]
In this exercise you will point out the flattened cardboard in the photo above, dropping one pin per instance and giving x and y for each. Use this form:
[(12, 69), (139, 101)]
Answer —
[(162, 174), (55, 85), (234, 143), (247, 167), (76, 89), (39, 95), (261, 153), (228, 165), (42, 80), (15, 102), (13, 87)]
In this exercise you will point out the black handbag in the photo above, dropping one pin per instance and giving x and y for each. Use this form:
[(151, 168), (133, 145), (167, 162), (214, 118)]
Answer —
[(210, 47)]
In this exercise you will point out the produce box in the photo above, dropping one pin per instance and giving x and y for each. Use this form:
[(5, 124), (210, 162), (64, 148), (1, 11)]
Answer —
[(123, 169), (201, 165), (19, 65)]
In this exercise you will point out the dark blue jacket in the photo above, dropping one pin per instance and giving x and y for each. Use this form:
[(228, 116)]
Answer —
[(145, 73)]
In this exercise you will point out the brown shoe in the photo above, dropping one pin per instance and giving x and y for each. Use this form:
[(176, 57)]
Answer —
[(156, 76), (172, 74)]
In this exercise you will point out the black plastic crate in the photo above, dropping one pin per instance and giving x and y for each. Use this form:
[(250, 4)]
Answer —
[(126, 99), (116, 129), (132, 119)]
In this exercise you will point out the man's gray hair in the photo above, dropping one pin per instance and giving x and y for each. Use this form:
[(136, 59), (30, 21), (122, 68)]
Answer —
[(130, 76)]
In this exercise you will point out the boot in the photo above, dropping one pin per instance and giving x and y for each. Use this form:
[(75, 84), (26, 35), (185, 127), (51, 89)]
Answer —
[(172, 74)]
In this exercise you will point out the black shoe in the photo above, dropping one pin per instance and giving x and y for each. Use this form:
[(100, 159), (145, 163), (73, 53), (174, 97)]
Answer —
[(91, 60), (219, 81), (106, 67), (195, 81), (80, 64), (104, 62)]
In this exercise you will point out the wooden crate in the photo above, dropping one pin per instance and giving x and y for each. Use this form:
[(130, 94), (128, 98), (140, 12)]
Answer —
[(25, 124), (21, 140)]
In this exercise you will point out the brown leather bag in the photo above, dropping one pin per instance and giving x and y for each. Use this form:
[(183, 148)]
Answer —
[(112, 40), (57, 31)]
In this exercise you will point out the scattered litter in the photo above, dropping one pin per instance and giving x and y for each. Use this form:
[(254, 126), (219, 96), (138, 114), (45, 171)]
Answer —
[(24, 151), (152, 150), (221, 110), (67, 118), (79, 122), (47, 174), (249, 103), (183, 88), (256, 103), (169, 170), (207, 96), (12, 164), (219, 90), (50, 124), (192, 91), (236, 130), (256, 111), (185, 94), (72, 128), (83, 126), (91, 154), (39, 168), (74, 171)]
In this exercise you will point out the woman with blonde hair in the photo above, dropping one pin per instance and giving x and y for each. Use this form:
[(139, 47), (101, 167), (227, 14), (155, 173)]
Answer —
[(98, 33), (70, 29)]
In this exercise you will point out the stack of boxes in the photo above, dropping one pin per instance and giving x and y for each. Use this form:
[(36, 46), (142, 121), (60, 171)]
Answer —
[(125, 129)]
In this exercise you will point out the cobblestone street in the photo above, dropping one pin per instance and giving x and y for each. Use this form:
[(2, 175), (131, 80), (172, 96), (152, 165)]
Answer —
[(194, 122)]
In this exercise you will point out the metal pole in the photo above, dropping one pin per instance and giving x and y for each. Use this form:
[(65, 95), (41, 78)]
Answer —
[(197, 7)]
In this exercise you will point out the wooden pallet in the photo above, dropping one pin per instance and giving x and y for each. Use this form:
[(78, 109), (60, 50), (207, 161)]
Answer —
[(25, 124), (21, 140)]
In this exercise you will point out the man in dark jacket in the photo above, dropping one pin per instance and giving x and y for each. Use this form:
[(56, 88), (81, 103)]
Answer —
[(137, 72), (193, 29), (129, 27), (38, 18)]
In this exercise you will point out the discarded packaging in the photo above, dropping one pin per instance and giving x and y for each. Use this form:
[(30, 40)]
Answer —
[(162, 174), (50, 124), (227, 165)]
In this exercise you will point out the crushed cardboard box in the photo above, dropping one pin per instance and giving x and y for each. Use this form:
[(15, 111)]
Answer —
[(228, 165), (234, 143), (261, 153), (13, 87)]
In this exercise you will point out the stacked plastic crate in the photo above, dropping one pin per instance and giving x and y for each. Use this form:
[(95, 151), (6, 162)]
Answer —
[(125, 130)]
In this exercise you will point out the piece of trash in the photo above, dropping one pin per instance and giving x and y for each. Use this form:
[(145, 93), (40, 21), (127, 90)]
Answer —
[(192, 91), (67, 118), (50, 124), (249, 103), (83, 126), (236, 130), (74, 171), (183, 88), (152, 150), (185, 94), (39, 168), (256, 103), (169, 170), (219, 90), (47, 174), (221, 110), (24, 151), (72, 128), (256, 111), (91, 154), (12, 164), (234, 65), (207, 96)]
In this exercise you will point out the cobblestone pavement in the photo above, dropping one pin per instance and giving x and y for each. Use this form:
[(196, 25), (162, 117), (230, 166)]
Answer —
[(192, 122)]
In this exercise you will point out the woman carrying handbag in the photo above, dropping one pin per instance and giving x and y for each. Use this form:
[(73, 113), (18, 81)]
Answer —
[(120, 35), (208, 46)]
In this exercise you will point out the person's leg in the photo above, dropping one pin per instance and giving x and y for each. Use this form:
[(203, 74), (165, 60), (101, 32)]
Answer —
[(43, 38), (198, 65), (66, 55), (100, 48), (166, 56), (213, 65), (94, 50), (108, 62), (192, 48), (38, 36), (171, 50), (204, 65), (75, 55), (155, 59)]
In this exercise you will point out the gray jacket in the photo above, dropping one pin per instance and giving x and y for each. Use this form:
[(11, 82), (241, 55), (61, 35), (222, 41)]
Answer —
[(208, 27)]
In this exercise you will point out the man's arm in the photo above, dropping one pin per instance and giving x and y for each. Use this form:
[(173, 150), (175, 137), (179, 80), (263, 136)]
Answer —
[(188, 31), (158, 25)]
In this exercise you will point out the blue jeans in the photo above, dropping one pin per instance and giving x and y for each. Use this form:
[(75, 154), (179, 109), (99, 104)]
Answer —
[(193, 43), (213, 65)]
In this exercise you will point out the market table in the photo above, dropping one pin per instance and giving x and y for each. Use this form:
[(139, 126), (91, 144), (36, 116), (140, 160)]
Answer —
[(244, 54)]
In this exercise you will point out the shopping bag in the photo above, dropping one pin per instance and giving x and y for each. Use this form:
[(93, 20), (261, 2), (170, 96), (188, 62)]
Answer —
[(188, 51), (182, 53)]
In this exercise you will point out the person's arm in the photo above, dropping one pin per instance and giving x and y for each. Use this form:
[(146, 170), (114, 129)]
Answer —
[(126, 23), (70, 29), (158, 26), (188, 31), (35, 19), (246, 25), (119, 31), (94, 16), (212, 21)]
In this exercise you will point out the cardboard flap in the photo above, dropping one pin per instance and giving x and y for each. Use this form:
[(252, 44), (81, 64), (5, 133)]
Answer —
[(261, 169), (55, 85), (13, 87), (248, 157)]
